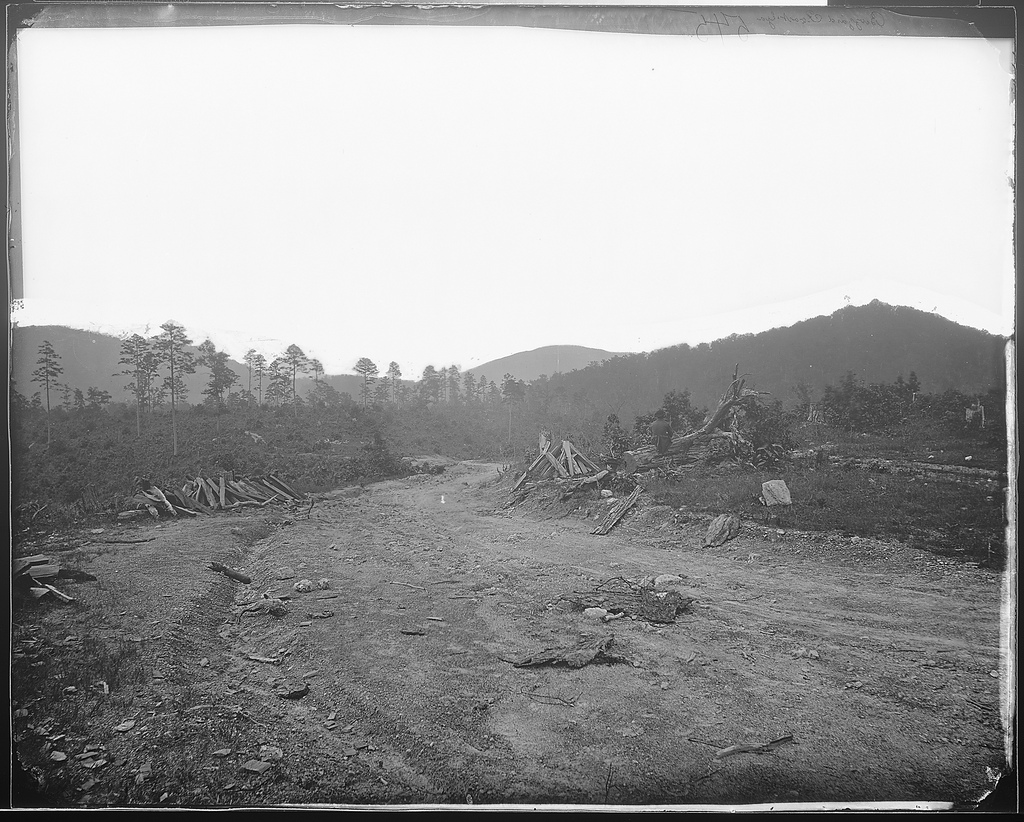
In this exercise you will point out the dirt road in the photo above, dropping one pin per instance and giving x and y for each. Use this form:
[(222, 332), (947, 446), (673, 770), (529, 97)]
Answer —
[(882, 664)]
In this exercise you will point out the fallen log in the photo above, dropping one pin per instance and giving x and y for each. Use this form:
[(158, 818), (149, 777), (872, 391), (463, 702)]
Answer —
[(758, 749), (646, 458), (617, 512), (576, 657), (229, 572), (125, 541)]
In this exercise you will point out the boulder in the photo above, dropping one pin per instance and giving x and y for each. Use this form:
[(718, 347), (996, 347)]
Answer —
[(722, 528), (775, 492)]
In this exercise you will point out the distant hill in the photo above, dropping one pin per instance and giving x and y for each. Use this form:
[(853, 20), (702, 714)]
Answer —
[(878, 342), (551, 359)]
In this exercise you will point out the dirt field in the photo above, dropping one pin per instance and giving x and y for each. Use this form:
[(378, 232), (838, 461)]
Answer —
[(882, 664)]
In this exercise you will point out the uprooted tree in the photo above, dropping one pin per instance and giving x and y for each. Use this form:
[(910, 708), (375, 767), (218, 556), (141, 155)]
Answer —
[(720, 425)]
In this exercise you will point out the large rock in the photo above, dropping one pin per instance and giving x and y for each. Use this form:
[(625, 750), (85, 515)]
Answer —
[(775, 492), (722, 528)]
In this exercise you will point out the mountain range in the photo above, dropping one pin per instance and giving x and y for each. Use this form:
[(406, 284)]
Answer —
[(877, 341)]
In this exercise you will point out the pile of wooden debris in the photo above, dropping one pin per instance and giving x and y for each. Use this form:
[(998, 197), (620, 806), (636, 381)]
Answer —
[(564, 461), (202, 495), (32, 576)]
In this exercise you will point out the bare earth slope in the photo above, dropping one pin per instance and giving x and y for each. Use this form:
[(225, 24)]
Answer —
[(878, 661)]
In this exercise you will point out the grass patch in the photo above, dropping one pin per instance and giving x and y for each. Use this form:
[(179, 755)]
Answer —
[(962, 519), (62, 655)]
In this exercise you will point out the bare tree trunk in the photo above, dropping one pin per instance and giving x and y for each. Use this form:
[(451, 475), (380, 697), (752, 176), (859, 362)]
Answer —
[(174, 424), (646, 458)]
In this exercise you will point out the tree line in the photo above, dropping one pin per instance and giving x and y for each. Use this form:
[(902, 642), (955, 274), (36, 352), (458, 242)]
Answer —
[(155, 371)]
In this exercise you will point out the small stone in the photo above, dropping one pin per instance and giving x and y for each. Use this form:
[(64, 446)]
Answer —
[(284, 573), (220, 754), (125, 726), (257, 766), (303, 586), (324, 584), (269, 753), (595, 613), (58, 756)]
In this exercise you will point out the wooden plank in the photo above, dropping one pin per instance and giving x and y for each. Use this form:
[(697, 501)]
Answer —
[(195, 504), (235, 486), (223, 504), (617, 512), (570, 465), (58, 594), (520, 481), (536, 462), (208, 492), (19, 564), (274, 483), (287, 488), (250, 490), (559, 469), (161, 498), (43, 571), (188, 502), (270, 489)]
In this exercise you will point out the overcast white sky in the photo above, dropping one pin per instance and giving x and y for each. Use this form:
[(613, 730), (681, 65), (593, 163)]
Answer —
[(451, 195)]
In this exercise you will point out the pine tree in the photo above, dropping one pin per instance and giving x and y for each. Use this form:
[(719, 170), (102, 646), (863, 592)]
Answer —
[(258, 368), (469, 386), (250, 361), (222, 376), (430, 384), (46, 374), (512, 392), (913, 384), (170, 349), (141, 361), (96, 397), (295, 359), (366, 368), (277, 388), (395, 373), (453, 383)]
